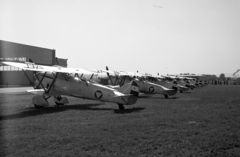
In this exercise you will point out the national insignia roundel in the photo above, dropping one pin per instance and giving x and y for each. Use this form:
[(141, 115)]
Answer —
[(98, 94), (151, 89)]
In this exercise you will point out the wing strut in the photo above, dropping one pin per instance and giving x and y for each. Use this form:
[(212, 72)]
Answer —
[(110, 78), (55, 76), (40, 81), (48, 88), (91, 76), (116, 81), (122, 81), (27, 77)]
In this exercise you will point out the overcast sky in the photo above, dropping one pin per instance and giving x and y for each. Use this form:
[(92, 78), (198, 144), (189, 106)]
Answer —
[(165, 36)]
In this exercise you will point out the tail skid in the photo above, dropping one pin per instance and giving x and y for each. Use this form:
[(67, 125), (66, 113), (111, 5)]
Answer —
[(130, 93)]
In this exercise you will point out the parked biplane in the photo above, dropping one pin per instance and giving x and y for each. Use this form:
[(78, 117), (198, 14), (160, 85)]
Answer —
[(57, 82), (119, 78)]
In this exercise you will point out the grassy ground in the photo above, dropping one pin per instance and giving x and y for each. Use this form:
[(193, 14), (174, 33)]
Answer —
[(202, 122)]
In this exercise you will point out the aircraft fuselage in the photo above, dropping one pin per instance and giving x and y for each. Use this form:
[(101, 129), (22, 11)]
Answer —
[(74, 86)]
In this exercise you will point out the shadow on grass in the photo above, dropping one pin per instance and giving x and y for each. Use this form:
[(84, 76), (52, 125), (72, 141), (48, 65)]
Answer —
[(186, 92), (174, 97), (144, 97), (170, 98), (130, 110), (159, 97), (51, 109)]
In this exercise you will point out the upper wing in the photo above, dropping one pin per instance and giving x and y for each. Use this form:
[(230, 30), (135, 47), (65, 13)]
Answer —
[(44, 68), (134, 74), (123, 73)]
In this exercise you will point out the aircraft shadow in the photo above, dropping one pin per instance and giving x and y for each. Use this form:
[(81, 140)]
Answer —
[(170, 98), (130, 110), (51, 109), (160, 97), (186, 93), (144, 97)]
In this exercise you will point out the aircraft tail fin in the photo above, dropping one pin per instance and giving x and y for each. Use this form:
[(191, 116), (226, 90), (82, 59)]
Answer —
[(129, 88)]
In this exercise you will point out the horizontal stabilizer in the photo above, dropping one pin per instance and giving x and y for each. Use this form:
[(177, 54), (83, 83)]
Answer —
[(125, 95), (114, 87), (36, 91), (145, 95)]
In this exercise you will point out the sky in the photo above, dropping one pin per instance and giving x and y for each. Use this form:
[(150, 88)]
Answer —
[(153, 36)]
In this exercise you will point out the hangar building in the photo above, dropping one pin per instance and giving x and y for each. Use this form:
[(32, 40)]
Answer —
[(9, 51)]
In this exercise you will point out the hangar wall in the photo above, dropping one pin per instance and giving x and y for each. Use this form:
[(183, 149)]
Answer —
[(37, 54), (16, 78), (10, 76)]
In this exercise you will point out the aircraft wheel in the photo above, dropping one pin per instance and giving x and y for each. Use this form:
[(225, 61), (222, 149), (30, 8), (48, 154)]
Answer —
[(166, 96), (181, 91), (57, 100), (58, 104), (37, 106), (191, 88), (121, 107)]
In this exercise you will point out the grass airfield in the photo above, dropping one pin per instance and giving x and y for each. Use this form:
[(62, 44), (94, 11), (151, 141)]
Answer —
[(202, 122)]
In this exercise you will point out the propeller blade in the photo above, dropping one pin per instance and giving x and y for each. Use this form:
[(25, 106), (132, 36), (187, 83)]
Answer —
[(110, 78)]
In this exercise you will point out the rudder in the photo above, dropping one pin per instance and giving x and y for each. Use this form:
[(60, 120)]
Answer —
[(129, 88)]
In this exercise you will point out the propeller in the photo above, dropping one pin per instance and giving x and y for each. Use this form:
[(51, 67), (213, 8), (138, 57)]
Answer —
[(109, 75)]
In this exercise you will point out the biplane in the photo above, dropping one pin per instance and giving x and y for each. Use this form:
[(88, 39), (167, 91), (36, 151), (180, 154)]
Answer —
[(119, 78), (59, 82)]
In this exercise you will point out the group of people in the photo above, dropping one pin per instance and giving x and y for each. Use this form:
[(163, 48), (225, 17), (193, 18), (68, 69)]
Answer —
[(237, 82), (219, 82)]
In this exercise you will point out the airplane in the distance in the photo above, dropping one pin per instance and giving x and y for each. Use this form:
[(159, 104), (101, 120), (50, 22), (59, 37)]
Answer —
[(146, 87), (57, 82)]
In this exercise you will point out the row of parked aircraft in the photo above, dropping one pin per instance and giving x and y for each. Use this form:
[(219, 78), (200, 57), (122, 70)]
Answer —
[(120, 87)]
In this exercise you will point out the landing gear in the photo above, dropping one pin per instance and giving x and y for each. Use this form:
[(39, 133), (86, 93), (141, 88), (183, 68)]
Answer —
[(58, 104), (59, 100), (39, 101), (181, 91), (37, 106), (166, 96), (121, 107)]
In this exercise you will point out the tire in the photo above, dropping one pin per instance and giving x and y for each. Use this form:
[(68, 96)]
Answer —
[(37, 106), (121, 107), (166, 96), (59, 104)]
